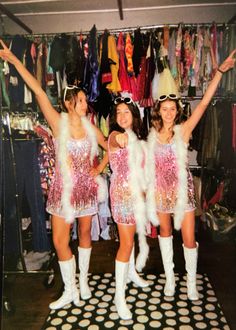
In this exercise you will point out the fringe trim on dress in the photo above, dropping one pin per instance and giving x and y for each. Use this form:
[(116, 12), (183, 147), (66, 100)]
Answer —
[(138, 184), (182, 195)]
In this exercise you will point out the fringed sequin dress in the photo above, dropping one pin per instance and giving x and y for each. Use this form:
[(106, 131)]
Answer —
[(120, 191), (84, 190), (166, 179)]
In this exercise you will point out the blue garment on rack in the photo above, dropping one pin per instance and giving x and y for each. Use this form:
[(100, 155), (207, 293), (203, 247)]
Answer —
[(28, 183)]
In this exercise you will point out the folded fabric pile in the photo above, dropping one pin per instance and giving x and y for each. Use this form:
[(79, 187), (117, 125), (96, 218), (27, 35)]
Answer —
[(34, 260)]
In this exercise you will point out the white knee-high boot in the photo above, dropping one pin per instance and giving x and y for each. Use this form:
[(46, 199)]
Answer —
[(84, 259), (133, 276), (191, 256), (166, 247), (71, 292), (121, 273)]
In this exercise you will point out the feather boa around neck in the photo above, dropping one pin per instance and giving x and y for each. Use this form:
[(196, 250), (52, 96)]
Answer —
[(150, 175), (67, 184), (181, 157), (138, 185), (67, 208)]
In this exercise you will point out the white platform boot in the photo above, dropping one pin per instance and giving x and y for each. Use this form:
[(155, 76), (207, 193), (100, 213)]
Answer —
[(166, 247), (121, 273), (71, 292), (84, 260), (191, 256), (133, 276)]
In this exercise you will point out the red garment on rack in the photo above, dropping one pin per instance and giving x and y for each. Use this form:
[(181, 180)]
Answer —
[(122, 74)]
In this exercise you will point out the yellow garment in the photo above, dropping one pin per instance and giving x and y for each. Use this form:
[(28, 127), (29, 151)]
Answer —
[(104, 127), (166, 84), (113, 56)]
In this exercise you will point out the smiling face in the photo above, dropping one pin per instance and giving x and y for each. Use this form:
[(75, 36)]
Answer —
[(81, 104), (168, 112), (124, 116)]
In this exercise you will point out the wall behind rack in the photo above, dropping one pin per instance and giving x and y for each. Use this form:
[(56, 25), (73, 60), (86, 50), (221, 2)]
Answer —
[(134, 14)]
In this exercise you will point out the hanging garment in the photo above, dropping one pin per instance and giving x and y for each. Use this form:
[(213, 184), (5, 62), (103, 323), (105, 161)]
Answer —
[(92, 68), (72, 60), (16, 83), (138, 51), (28, 185), (58, 53), (6, 100), (114, 86), (105, 70), (147, 100), (129, 54), (122, 74)]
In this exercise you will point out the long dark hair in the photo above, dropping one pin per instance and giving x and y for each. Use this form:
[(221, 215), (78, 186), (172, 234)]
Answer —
[(137, 121), (69, 93), (156, 119)]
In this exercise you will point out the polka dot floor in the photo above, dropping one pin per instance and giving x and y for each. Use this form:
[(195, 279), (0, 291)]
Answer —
[(150, 308)]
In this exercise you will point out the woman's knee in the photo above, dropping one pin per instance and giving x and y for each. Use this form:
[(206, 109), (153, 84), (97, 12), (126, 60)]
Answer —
[(189, 243), (60, 243)]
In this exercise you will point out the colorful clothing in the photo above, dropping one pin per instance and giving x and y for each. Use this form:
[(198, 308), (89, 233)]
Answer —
[(172, 191), (120, 191), (166, 179), (84, 190)]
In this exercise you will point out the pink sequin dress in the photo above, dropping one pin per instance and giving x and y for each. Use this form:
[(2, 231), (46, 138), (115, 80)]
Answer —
[(84, 191), (120, 191), (166, 179)]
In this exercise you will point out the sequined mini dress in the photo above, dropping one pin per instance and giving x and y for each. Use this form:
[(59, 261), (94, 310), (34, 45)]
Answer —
[(120, 190), (84, 190), (166, 178)]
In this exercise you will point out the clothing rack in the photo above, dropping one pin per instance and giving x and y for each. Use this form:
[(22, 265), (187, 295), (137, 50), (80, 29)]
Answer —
[(127, 29)]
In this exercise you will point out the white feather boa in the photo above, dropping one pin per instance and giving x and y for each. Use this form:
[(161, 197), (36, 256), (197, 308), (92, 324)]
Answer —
[(102, 193), (67, 184), (138, 186), (181, 156), (182, 197), (64, 136), (150, 175)]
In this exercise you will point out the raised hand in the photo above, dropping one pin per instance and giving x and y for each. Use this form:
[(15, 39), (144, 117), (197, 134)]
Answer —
[(6, 54), (122, 140), (229, 62)]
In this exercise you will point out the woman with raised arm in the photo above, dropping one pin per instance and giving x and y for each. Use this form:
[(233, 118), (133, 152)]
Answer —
[(76, 186), (170, 188)]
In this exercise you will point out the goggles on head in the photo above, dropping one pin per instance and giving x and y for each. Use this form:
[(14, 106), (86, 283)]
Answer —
[(126, 100), (72, 87), (168, 96)]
